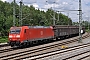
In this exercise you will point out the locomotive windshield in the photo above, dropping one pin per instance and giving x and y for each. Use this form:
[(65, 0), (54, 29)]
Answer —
[(15, 31)]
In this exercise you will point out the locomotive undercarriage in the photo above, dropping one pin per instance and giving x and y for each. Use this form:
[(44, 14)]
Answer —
[(28, 42), (14, 43)]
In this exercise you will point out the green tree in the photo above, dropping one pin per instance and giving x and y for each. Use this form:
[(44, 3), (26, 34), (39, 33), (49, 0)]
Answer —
[(30, 16)]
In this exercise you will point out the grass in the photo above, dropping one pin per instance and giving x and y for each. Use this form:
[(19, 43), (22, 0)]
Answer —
[(3, 39), (87, 30)]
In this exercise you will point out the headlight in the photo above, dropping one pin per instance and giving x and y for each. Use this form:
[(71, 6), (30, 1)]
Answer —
[(18, 36), (10, 36)]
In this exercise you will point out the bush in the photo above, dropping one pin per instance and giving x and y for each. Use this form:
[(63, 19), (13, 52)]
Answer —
[(3, 39)]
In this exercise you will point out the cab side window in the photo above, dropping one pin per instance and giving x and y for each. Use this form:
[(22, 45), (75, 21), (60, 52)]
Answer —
[(25, 31)]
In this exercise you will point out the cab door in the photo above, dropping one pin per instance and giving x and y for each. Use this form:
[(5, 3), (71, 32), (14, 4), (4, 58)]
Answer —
[(26, 34)]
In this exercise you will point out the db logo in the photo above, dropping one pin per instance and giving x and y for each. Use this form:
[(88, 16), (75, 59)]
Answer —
[(14, 36)]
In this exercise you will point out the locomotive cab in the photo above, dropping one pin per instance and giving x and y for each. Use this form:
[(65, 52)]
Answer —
[(14, 36)]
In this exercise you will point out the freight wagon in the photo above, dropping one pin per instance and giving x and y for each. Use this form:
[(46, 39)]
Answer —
[(64, 31)]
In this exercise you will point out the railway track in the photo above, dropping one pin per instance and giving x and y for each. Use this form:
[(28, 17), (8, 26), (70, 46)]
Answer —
[(7, 49), (3, 44), (71, 53), (35, 51)]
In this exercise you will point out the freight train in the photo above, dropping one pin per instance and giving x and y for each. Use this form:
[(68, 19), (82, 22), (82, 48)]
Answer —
[(28, 35)]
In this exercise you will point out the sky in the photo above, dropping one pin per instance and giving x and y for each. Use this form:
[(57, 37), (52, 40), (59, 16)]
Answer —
[(61, 5)]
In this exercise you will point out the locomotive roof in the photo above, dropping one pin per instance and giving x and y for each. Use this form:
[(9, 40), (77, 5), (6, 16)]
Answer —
[(15, 28), (39, 26)]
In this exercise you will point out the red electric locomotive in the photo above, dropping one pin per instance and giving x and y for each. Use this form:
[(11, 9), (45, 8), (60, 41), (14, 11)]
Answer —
[(25, 35)]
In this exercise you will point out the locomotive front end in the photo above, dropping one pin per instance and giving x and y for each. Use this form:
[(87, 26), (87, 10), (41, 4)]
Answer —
[(14, 36)]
